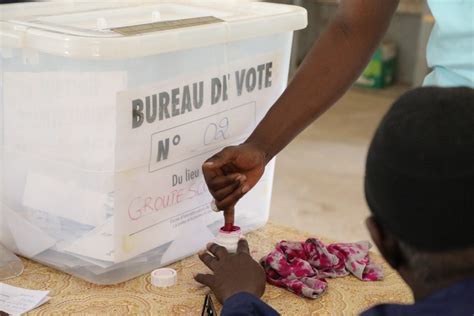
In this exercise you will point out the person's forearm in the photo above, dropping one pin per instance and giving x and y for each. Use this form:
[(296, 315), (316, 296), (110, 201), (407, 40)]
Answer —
[(331, 67)]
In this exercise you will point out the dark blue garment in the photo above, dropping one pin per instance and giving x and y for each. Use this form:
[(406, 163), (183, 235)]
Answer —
[(246, 304), (456, 300)]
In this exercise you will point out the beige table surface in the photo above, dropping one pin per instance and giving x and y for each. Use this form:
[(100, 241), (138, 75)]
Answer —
[(73, 296)]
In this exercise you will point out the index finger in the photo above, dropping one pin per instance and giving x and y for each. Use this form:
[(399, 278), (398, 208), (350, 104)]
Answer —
[(206, 279), (243, 246)]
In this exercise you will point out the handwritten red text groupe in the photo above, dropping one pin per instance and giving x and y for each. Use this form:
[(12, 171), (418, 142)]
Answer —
[(142, 206)]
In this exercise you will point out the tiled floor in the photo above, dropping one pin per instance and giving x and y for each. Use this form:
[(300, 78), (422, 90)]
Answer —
[(318, 183)]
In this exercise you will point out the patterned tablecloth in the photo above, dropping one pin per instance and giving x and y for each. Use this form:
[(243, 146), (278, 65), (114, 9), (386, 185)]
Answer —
[(72, 296)]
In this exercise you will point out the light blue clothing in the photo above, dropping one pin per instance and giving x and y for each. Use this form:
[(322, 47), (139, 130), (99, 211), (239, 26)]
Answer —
[(450, 51)]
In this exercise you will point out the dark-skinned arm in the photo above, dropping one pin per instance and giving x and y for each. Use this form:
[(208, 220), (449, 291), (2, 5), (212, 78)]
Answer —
[(335, 62), (331, 67)]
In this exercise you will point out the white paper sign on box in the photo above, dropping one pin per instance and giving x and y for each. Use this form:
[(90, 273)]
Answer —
[(172, 128)]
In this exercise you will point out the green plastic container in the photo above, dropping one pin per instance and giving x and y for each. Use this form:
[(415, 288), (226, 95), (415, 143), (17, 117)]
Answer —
[(380, 71)]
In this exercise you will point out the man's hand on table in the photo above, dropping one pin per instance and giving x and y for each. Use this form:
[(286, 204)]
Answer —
[(232, 172), (233, 273)]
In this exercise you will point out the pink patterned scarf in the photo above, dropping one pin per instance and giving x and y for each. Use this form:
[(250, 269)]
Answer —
[(301, 267)]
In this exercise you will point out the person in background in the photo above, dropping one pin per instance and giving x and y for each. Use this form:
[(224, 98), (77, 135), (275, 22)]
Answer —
[(419, 185)]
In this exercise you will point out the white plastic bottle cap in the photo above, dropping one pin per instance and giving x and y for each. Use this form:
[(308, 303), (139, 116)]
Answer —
[(164, 277)]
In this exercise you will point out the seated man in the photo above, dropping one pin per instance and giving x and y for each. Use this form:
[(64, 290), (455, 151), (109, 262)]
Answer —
[(419, 186)]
